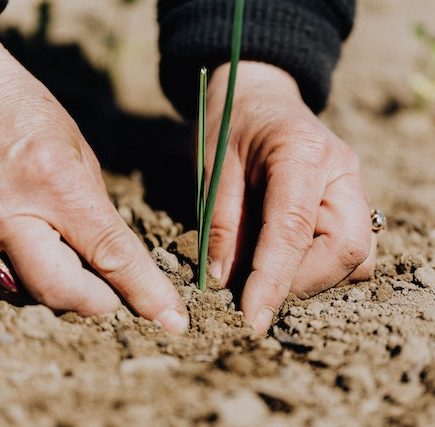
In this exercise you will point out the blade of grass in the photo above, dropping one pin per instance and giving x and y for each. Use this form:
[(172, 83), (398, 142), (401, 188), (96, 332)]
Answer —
[(202, 135), (222, 142)]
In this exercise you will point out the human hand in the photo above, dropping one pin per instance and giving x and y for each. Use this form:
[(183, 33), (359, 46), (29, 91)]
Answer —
[(54, 204), (315, 228)]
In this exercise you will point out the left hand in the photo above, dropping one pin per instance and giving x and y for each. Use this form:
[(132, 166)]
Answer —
[(315, 228)]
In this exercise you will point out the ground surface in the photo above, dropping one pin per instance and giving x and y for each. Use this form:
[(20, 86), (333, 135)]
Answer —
[(354, 356)]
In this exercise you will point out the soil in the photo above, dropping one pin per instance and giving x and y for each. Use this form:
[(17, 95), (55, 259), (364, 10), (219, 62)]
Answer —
[(360, 355)]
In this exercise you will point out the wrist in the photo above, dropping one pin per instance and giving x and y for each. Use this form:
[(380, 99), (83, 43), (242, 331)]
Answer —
[(252, 75), (265, 98)]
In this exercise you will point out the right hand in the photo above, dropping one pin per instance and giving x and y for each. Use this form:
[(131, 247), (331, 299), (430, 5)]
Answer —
[(54, 206)]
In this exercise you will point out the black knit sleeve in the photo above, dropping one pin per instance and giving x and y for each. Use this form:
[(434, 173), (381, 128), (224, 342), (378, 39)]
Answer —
[(3, 4), (302, 37)]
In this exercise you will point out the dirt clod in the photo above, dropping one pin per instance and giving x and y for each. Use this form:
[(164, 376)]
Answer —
[(425, 277), (360, 355)]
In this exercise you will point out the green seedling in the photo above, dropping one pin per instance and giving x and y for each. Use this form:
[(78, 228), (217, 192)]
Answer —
[(202, 136), (206, 200)]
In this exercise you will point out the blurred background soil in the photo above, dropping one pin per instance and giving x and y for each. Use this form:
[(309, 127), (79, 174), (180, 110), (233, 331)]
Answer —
[(354, 356)]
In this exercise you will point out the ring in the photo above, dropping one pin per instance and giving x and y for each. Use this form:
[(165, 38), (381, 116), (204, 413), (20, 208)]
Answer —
[(379, 220), (7, 282)]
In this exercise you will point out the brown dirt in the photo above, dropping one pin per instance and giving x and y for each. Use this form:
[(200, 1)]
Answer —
[(359, 355)]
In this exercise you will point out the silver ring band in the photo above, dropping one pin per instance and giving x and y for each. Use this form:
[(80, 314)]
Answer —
[(379, 220)]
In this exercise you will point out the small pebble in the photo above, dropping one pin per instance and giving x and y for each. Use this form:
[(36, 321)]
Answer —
[(351, 307), (316, 308), (296, 311), (187, 292), (165, 260), (394, 340), (173, 231), (355, 295), (186, 245), (317, 324), (122, 315), (411, 261), (270, 344), (335, 334), (416, 352), (37, 321), (149, 365), (353, 318), (337, 323), (425, 277), (401, 285), (166, 222), (245, 409), (186, 272), (151, 241), (407, 394), (226, 296)]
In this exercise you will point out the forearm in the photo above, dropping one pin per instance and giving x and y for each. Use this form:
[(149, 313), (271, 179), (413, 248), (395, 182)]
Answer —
[(17, 85), (26, 105), (303, 38)]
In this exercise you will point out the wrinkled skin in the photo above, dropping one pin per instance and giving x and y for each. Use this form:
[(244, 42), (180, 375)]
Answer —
[(315, 227), (52, 188)]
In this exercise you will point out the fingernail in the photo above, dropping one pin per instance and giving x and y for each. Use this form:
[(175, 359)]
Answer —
[(216, 269), (173, 321), (6, 282), (263, 320)]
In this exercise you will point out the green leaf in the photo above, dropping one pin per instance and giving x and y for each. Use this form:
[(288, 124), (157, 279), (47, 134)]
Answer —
[(222, 142), (202, 136)]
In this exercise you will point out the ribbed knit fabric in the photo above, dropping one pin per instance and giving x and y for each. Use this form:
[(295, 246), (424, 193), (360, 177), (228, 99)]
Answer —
[(302, 37), (3, 4)]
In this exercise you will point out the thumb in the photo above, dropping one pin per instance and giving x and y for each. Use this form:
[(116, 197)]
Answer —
[(97, 232), (226, 220)]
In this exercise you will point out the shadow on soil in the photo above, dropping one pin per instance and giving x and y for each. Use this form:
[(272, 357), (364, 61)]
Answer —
[(123, 142)]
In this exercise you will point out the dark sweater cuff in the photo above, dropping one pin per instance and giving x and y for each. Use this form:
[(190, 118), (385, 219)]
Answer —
[(3, 4), (302, 37)]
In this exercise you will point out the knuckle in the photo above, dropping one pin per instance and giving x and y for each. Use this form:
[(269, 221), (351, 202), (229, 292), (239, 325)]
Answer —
[(114, 252), (46, 162), (353, 253), (301, 149), (296, 229), (222, 230), (315, 139)]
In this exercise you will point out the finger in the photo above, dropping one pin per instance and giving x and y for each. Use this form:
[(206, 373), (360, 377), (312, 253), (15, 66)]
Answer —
[(226, 220), (52, 272), (365, 270), (291, 202), (98, 233), (343, 242)]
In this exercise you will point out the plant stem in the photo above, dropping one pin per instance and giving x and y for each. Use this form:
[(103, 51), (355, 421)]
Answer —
[(202, 136), (222, 142)]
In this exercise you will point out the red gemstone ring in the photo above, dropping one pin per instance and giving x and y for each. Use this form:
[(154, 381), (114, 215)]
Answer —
[(7, 282)]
